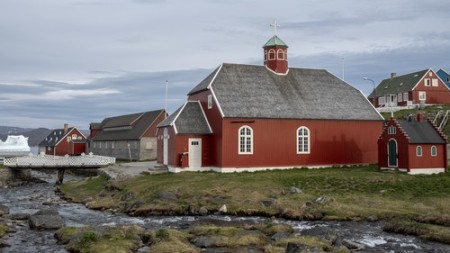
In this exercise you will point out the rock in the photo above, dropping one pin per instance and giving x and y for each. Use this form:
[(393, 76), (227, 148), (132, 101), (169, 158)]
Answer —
[(19, 216), (203, 211), (280, 236), (88, 199), (352, 245), (206, 241), (294, 190), (46, 220), (223, 209), (372, 218), (3, 210), (167, 195), (47, 202), (324, 200), (268, 202), (302, 248)]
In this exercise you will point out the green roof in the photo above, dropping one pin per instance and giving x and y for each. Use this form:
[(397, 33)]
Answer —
[(398, 84), (275, 41)]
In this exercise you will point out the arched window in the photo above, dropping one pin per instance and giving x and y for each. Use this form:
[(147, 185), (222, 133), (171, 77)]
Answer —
[(433, 151), (265, 55), (272, 54), (303, 140), (419, 151), (245, 140), (280, 53)]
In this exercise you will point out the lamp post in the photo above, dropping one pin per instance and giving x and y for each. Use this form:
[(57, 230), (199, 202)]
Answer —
[(374, 90)]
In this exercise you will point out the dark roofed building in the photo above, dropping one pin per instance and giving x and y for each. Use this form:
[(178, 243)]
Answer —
[(64, 141), (414, 145), (246, 117), (128, 137), (421, 87)]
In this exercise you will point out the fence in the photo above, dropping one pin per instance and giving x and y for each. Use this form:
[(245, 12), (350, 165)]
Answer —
[(42, 160)]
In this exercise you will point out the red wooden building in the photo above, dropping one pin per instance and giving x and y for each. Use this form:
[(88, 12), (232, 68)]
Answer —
[(65, 141), (422, 87), (246, 117), (414, 145)]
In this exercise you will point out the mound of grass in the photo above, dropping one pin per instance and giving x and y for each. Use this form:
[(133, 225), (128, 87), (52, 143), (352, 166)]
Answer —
[(3, 230), (425, 231)]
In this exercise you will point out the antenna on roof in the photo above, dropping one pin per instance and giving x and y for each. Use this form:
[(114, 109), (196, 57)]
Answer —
[(275, 25)]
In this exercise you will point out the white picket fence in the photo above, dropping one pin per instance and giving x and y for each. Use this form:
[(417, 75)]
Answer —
[(33, 161)]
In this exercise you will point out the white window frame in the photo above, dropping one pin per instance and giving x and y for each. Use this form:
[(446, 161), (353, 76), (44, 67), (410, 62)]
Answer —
[(272, 51), (400, 97), (419, 151), (302, 138), (210, 103), (433, 148), (434, 82), (427, 82), (422, 95), (280, 52), (392, 130), (245, 140), (405, 96)]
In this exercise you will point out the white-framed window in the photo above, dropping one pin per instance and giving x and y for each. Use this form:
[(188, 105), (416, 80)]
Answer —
[(106, 144), (430, 74), (100, 144), (272, 54), (112, 144), (245, 140), (210, 103), (74, 136), (405, 96), (400, 97), (427, 82), (419, 151), (265, 55), (303, 140), (434, 82), (433, 151), (422, 95), (448, 79), (392, 130), (280, 54)]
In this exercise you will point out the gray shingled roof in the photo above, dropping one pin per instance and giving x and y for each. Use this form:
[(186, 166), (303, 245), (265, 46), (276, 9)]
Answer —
[(250, 91), (54, 137), (126, 127), (421, 132), (188, 119), (398, 84)]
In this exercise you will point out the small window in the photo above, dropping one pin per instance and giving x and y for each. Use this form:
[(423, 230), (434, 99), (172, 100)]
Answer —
[(49, 148), (427, 82), (430, 74), (422, 95), (265, 55), (400, 97), (434, 82), (195, 143), (272, 54), (74, 136), (209, 101), (448, 79), (392, 130), (405, 96), (245, 140), (280, 54), (433, 151), (303, 140), (419, 151)]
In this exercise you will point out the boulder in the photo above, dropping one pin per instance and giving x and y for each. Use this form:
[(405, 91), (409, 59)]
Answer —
[(324, 200), (19, 216), (3, 210), (166, 195), (352, 245), (223, 209), (294, 190), (206, 241), (203, 211), (46, 220), (302, 248)]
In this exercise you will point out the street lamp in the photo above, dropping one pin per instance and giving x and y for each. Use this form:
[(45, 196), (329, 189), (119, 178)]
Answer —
[(374, 89)]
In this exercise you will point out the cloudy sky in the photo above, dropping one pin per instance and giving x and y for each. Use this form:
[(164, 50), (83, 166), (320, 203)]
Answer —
[(79, 61)]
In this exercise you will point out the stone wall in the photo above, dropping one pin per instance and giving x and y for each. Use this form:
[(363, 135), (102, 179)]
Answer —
[(5, 176)]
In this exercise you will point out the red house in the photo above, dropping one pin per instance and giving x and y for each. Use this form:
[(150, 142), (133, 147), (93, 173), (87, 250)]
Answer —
[(246, 117), (418, 88), (65, 141), (415, 146)]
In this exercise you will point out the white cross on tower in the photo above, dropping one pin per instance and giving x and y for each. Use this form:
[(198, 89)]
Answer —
[(274, 25)]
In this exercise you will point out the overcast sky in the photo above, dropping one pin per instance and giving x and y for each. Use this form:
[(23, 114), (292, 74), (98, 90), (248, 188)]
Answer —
[(79, 61)]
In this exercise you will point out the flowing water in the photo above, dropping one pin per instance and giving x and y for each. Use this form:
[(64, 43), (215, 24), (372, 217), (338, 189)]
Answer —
[(29, 199)]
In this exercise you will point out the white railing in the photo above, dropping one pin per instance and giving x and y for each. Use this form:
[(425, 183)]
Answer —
[(59, 161)]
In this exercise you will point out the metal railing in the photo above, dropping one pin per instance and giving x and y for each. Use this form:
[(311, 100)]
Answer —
[(42, 160), (441, 118)]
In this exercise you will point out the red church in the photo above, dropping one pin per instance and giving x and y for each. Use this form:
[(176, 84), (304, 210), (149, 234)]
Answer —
[(248, 118), (414, 145)]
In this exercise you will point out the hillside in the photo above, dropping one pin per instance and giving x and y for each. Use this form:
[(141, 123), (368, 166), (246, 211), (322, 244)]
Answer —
[(35, 136)]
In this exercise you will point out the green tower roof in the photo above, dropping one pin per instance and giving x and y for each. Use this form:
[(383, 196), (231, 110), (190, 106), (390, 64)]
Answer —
[(275, 41)]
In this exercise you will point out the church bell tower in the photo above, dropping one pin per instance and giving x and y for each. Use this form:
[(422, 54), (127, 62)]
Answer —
[(275, 54)]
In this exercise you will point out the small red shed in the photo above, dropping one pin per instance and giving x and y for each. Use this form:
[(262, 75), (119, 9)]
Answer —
[(65, 141), (413, 145)]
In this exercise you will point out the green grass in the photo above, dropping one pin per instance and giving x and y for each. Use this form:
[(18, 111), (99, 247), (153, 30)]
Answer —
[(3, 230)]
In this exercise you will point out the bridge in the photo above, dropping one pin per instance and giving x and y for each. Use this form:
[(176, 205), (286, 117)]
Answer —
[(60, 163)]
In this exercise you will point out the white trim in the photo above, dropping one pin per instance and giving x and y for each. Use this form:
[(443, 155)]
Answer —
[(396, 153), (309, 140), (204, 115), (217, 102), (245, 142), (149, 126), (280, 74), (274, 54), (176, 116), (421, 151), (249, 169), (424, 75), (214, 78), (431, 150), (427, 171)]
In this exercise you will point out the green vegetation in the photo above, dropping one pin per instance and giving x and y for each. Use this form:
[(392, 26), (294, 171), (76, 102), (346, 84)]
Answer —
[(438, 233), (3, 230)]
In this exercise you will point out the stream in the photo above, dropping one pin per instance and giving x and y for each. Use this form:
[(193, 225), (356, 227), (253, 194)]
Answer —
[(29, 198)]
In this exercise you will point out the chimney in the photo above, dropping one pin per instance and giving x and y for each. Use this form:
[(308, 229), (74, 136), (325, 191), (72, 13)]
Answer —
[(393, 75), (420, 117), (66, 128)]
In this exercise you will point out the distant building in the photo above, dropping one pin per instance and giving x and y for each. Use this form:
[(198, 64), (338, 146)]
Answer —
[(246, 118), (65, 141), (418, 88), (126, 137), (445, 76), (414, 145)]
